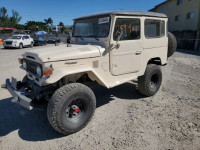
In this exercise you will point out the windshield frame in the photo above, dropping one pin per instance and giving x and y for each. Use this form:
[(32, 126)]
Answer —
[(102, 16)]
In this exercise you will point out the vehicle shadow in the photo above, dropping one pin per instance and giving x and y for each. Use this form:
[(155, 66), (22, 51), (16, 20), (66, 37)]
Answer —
[(31, 125), (34, 126), (12, 48), (125, 91)]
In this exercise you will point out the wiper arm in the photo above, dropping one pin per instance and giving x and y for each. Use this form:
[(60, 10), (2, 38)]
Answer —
[(93, 36), (96, 39), (81, 38)]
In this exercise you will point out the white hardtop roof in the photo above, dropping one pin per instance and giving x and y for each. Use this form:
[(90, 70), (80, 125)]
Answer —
[(125, 13)]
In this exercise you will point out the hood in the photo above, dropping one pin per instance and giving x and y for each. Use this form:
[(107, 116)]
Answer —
[(10, 40), (62, 52)]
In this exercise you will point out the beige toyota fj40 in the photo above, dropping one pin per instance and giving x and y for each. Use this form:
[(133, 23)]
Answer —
[(108, 48)]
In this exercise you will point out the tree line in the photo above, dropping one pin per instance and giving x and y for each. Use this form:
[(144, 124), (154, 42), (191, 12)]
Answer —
[(12, 21)]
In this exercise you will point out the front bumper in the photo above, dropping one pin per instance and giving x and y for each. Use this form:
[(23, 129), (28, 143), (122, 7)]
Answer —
[(18, 97)]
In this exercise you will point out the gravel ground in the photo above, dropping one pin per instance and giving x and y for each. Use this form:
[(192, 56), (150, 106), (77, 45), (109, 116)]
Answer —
[(123, 119)]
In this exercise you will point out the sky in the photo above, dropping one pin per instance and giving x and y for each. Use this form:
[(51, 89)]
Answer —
[(66, 10)]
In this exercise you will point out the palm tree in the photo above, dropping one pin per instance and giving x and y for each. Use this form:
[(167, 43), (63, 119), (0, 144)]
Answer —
[(48, 22)]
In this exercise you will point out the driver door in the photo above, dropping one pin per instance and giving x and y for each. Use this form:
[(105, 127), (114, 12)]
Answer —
[(126, 57)]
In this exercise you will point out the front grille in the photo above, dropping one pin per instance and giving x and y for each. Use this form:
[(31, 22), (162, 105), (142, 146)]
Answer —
[(32, 66), (8, 42)]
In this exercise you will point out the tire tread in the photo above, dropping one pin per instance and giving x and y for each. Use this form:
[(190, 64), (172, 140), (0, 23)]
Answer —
[(55, 104), (142, 85)]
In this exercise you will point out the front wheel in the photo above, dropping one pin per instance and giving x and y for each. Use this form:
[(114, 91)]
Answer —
[(31, 44), (150, 82), (20, 46), (71, 108)]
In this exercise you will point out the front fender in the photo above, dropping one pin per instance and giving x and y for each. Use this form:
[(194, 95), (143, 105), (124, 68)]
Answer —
[(59, 73), (64, 71)]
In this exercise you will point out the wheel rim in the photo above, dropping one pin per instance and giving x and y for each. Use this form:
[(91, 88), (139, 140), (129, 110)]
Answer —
[(154, 82), (20, 46), (75, 110)]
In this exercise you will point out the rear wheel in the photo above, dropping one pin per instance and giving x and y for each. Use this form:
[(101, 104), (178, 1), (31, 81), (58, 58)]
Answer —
[(71, 108), (150, 82)]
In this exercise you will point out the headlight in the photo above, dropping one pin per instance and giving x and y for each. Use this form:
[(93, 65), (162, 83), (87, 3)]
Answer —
[(39, 71), (24, 64), (15, 42)]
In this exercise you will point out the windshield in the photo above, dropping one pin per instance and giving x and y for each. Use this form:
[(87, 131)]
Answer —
[(16, 37), (92, 27)]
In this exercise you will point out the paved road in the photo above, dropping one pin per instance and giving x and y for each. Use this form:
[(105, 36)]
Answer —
[(123, 119)]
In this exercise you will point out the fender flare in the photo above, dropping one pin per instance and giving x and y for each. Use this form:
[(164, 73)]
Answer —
[(162, 63), (59, 73)]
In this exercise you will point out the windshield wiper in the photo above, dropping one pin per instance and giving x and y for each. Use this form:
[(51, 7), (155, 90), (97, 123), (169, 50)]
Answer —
[(81, 38), (93, 36), (96, 39)]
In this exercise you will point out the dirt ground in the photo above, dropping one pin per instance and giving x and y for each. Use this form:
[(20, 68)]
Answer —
[(124, 119)]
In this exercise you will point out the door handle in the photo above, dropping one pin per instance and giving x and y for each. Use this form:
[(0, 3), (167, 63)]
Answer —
[(138, 52)]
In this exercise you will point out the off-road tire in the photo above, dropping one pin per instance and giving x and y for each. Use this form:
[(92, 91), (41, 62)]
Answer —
[(145, 82), (61, 99), (172, 44), (20, 46)]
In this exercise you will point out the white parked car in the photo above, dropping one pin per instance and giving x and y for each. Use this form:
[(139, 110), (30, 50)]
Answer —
[(19, 41)]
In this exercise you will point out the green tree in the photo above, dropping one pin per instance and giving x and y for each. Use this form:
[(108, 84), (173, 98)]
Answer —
[(6, 21), (48, 21), (35, 25), (3, 12), (61, 24), (15, 18), (63, 28)]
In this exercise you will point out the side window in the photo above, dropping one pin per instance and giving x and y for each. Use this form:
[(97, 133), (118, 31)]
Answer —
[(129, 27), (26, 37), (154, 28), (190, 15), (177, 18)]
